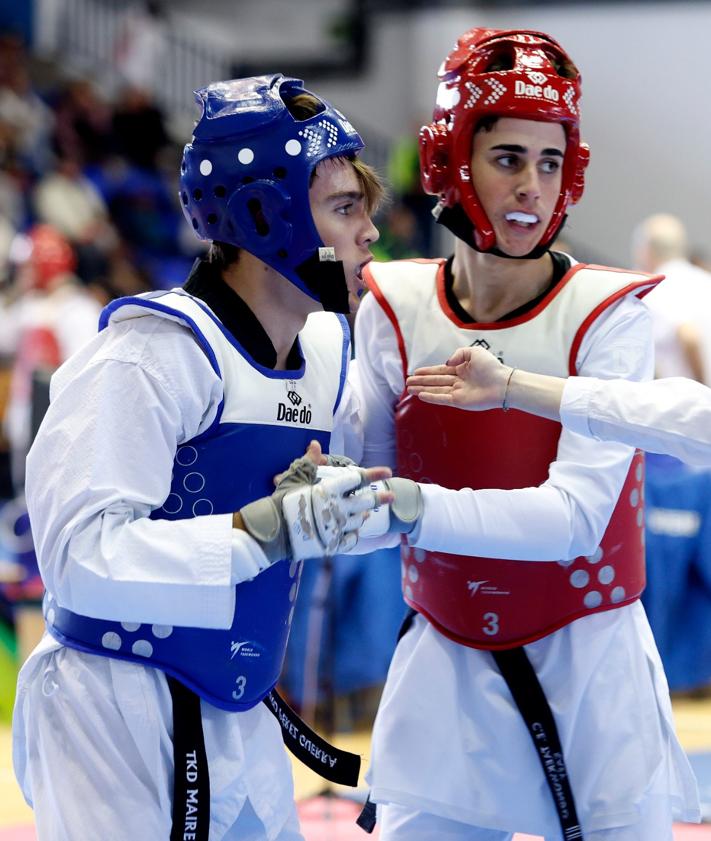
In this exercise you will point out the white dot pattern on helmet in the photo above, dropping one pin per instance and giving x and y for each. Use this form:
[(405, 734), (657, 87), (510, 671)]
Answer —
[(130, 626), (413, 574), (291, 616), (579, 578), (498, 89), (245, 156), (569, 99), (205, 167), (617, 595), (162, 632), (475, 93), (51, 616), (292, 592), (292, 147), (408, 592), (111, 641), (293, 569), (323, 133), (634, 497), (142, 648), (592, 599), (606, 574)]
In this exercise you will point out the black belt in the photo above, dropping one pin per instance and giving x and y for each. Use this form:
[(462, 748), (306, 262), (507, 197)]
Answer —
[(191, 785), (530, 699)]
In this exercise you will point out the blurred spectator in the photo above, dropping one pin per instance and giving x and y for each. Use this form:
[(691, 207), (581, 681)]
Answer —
[(67, 200), (681, 305), (404, 177), (50, 317), (32, 120), (83, 124), (139, 128), (399, 234), (142, 45)]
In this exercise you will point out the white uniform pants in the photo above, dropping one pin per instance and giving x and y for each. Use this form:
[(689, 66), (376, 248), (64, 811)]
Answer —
[(93, 755), (400, 824)]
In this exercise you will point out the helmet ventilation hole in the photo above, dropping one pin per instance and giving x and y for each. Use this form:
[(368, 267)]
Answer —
[(260, 223), (197, 194), (219, 192), (211, 218), (280, 172)]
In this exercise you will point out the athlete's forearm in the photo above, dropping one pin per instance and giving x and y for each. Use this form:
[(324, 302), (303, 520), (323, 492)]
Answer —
[(538, 394)]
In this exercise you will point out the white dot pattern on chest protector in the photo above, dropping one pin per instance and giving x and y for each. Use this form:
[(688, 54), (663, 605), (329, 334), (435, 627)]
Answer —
[(606, 575), (634, 497), (142, 648), (579, 579), (111, 641), (185, 456)]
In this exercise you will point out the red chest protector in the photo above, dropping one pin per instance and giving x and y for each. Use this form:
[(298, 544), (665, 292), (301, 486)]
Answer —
[(492, 603), (484, 602)]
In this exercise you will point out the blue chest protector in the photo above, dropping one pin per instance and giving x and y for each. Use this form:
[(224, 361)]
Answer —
[(266, 419)]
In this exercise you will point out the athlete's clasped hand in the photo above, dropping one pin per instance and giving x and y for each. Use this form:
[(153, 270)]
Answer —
[(311, 517)]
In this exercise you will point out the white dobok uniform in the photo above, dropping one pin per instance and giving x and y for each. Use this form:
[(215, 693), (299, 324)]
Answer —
[(671, 416), (140, 385), (448, 739)]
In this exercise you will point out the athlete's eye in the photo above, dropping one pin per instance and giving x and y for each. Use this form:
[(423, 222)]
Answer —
[(550, 166), (345, 209), (507, 161)]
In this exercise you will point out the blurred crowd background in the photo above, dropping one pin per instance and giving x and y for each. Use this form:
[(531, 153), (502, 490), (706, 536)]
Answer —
[(95, 106)]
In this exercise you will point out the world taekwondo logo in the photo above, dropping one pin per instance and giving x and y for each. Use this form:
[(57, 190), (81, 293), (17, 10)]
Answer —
[(485, 589), (499, 354), (244, 649)]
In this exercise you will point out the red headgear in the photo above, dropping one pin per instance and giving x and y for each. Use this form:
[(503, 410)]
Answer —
[(50, 256), (503, 73)]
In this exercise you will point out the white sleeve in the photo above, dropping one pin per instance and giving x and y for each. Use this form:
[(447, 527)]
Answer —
[(670, 416), (103, 460), (567, 515), (380, 382)]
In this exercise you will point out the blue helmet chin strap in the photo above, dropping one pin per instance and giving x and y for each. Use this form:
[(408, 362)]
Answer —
[(245, 177)]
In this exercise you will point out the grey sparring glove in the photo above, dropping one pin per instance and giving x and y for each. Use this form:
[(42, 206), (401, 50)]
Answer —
[(402, 515), (309, 517)]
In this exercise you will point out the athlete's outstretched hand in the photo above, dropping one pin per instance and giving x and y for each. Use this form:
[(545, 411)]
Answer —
[(472, 378), (311, 517)]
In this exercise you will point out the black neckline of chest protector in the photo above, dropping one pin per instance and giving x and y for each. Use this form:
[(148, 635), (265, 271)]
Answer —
[(561, 264), (205, 282)]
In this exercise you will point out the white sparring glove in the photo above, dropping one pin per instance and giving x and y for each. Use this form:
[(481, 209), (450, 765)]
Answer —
[(308, 516), (401, 516)]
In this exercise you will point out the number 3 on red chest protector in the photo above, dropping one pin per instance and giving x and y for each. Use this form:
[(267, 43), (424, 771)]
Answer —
[(492, 624)]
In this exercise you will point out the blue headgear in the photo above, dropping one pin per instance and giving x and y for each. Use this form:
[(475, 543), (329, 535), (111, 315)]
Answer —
[(245, 178)]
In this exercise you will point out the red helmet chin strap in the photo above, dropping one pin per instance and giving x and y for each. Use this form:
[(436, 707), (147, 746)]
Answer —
[(508, 73)]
